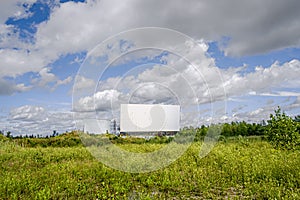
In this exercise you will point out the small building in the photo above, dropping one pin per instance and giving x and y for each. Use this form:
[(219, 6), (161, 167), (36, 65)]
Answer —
[(97, 126)]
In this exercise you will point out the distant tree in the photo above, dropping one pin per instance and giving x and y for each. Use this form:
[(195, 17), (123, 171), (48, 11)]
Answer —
[(55, 133), (297, 118), (263, 123), (202, 131), (8, 134), (226, 130), (242, 128)]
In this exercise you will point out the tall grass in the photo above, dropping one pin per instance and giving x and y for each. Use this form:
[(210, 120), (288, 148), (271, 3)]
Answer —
[(234, 169)]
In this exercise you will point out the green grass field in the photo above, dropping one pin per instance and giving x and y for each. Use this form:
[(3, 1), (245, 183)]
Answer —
[(236, 169)]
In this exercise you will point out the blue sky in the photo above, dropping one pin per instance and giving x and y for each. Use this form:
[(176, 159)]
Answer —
[(47, 46)]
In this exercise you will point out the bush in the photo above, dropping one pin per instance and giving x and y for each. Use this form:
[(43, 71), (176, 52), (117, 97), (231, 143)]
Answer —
[(283, 131), (3, 138)]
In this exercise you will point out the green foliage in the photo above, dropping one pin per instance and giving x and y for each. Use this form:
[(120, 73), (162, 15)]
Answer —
[(135, 140), (297, 118), (283, 131), (65, 140), (242, 128), (160, 140), (201, 132), (3, 138)]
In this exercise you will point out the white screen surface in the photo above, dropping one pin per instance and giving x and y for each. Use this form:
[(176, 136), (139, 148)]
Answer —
[(149, 118)]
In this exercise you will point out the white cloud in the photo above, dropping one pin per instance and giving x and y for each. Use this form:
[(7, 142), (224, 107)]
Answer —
[(9, 37), (30, 119), (263, 80), (82, 84), (76, 27), (179, 82), (281, 93), (18, 62), (294, 107), (14, 8), (9, 88), (188, 85), (256, 112), (28, 113), (64, 82), (45, 77), (77, 31), (243, 22), (100, 101)]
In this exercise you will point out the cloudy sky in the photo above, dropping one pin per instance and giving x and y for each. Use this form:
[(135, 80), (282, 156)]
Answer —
[(228, 60)]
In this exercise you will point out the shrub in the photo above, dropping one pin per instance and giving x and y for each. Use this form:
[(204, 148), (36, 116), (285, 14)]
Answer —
[(3, 138), (283, 131)]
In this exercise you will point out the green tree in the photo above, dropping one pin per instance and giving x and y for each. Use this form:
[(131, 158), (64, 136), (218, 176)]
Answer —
[(226, 131), (8, 134), (282, 131)]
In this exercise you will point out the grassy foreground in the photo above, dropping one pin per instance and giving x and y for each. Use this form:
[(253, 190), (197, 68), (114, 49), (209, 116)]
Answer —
[(235, 169)]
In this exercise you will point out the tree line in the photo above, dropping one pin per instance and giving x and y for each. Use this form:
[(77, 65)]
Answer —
[(281, 130)]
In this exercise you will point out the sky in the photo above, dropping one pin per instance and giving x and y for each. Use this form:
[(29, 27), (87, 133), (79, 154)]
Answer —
[(62, 62)]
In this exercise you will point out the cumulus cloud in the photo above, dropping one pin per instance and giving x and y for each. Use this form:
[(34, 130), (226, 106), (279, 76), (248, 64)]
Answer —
[(9, 88), (82, 83), (100, 101), (28, 113), (179, 82), (251, 29), (243, 22), (263, 79), (14, 8), (255, 116), (30, 119), (294, 106), (18, 62), (45, 77), (63, 82)]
